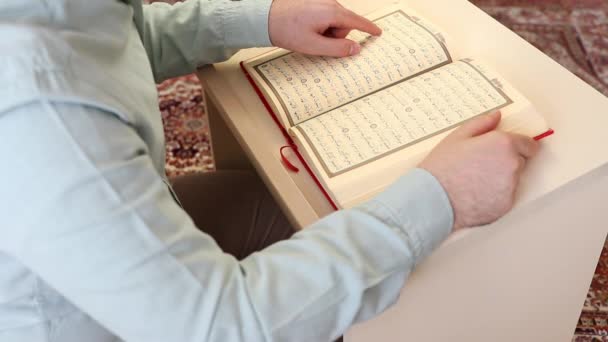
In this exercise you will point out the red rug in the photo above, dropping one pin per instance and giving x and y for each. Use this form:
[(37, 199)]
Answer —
[(573, 32)]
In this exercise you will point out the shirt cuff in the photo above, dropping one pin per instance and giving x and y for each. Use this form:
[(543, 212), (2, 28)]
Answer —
[(419, 207), (246, 23)]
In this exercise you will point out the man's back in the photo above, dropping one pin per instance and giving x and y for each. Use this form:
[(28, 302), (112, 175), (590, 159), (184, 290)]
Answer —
[(53, 52)]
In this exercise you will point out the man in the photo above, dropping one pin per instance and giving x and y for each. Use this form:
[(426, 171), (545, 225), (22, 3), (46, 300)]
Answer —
[(93, 245)]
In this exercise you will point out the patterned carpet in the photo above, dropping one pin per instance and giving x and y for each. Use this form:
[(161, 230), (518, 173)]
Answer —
[(186, 127), (573, 32)]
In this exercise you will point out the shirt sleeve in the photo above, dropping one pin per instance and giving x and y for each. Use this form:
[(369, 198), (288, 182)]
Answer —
[(181, 37), (103, 230)]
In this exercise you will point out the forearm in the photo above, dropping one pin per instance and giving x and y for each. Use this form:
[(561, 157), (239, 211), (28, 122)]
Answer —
[(181, 37), (350, 266)]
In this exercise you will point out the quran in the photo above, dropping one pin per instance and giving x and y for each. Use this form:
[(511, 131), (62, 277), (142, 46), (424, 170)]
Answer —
[(358, 123)]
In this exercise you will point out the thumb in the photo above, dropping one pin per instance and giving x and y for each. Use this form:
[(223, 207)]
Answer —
[(478, 126), (334, 47)]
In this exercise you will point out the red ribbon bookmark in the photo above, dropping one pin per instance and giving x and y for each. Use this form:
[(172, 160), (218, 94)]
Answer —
[(286, 161), (544, 135)]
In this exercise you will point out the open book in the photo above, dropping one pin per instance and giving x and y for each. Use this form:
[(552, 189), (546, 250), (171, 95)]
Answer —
[(360, 122)]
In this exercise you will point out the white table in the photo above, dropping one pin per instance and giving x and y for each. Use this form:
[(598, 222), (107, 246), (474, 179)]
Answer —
[(522, 279)]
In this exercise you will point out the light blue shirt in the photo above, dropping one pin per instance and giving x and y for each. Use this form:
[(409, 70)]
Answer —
[(92, 245)]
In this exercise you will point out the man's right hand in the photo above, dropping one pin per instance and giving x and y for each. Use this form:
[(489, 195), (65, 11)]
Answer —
[(480, 167)]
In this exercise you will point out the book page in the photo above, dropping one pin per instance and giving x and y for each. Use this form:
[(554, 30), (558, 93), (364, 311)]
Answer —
[(401, 116), (307, 86)]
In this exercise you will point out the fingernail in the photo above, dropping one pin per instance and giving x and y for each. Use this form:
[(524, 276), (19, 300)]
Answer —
[(354, 49)]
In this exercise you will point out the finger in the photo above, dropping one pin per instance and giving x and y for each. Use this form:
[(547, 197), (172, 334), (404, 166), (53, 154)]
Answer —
[(347, 19), (333, 47), (478, 126), (526, 146), (337, 32), (522, 161)]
